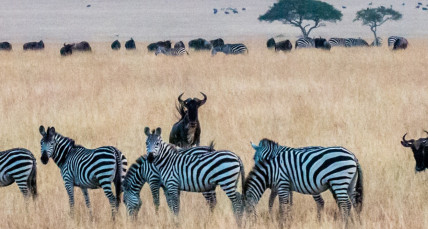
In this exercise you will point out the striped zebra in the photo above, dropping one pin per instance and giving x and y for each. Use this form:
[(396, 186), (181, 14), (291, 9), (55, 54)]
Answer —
[(233, 49), (141, 172), (337, 42), (179, 51), (311, 171), (85, 168), (393, 39), (184, 171), (305, 43), (355, 42), (19, 165)]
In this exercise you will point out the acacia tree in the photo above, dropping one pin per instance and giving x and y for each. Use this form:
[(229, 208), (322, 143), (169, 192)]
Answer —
[(304, 14), (375, 17)]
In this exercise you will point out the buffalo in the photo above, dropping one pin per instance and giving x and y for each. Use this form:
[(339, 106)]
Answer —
[(400, 43), (34, 45), (115, 45), (5, 46), (217, 42), (187, 131), (129, 45), (154, 46), (270, 44), (200, 44), (420, 151)]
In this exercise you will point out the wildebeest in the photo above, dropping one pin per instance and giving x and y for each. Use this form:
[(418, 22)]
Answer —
[(5, 46), (270, 44), (217, 42), (179, 44), (200, 44), (400, 43), (66, 50), (420, 151), (34, 45), (154, 46), (130, 44), (187, 131), (81, 46), (321, 43), (283, 46), (115, 45)]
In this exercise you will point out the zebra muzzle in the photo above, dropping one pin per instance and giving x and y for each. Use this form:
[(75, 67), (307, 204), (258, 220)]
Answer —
[(44, 158)]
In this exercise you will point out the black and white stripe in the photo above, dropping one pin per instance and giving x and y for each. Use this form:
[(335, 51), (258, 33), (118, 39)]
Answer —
[(355, 42), (233, 49), (393, 39), (85, 168), (337, 42), (188, 171), (19, 165), (179, 51), (305, 43), (310, 171), (141, 172)]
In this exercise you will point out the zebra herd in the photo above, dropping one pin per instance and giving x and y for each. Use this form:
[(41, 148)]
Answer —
[(308, 170)]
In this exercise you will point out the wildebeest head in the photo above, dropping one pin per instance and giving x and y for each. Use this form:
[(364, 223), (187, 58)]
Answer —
[(41, 44), (153, 143), (322, 43), (270, 43), (418, 147), (66, 50), (47, 143), (192, 106), (179, 44)]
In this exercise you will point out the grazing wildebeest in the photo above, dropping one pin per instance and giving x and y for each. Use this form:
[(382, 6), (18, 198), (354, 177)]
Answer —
[(270, 44), (130, 44), (34, 45), (400, 43), (200, 44), (179, 44), (187, 131), (66, 50), (5, 46), (115, 45), (420, 151), (81, 46), (321, 43), (283, 46), (217, 42), (154, 46)]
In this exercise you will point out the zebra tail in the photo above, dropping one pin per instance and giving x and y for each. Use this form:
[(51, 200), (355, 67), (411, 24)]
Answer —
[(359, 189), (118, 177), (32, 181)]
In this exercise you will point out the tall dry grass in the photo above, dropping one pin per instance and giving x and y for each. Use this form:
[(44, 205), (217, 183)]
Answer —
[(362, 99)]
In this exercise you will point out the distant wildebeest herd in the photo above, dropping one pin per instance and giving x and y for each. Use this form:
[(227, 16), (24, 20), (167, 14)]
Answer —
[(184, 165), (218, 45)]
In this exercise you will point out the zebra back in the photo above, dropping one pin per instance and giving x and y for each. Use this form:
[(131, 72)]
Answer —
[(305, 43), (340, 42)]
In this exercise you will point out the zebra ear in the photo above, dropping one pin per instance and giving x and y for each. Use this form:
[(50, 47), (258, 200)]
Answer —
[(42, 130), (147, 131), (51, 131), (254, 146), (158, 131)]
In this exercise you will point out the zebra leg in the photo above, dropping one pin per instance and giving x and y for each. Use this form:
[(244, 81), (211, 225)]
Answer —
[(320, 205), (211, 199), (22, 185), (285, 199), (343, 201), (235, 197), (87, 202), (154, 188), (70, 191), (111, 198), (173, 200), (272, 197)]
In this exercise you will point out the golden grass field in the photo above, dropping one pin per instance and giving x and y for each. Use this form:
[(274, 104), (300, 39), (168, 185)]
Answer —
[(364, 99)]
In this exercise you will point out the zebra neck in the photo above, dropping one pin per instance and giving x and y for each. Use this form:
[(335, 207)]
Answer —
[(167, 155), (256, 183), (62, 149), (281, 150), (135, 177)]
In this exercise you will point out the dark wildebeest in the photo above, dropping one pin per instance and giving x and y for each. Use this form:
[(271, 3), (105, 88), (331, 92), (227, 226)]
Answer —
[(270, 44), (400, 43), (154, 46), (115, 45), (321, 43), (187, 131), (66, 50), (81, 46), (130, 44), (34, 45), (217, 42), (5, 46), (283, 46), (200, 44), (420, 151), (179, 44)]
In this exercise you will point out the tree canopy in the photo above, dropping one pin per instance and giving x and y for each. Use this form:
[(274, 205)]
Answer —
[(375, 17), (299, 13)]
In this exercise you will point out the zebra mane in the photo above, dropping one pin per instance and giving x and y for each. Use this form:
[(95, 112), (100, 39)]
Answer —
[(268, 143), (70, 140)]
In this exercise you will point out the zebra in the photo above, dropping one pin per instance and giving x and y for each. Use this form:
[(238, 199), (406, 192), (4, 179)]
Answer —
[(338, 42), (355, 42), (179, 51), (227, 49), (393, 39), (305, 43), (311, 172), (141, 172), (85, 168), (184, 171), (19, 165)]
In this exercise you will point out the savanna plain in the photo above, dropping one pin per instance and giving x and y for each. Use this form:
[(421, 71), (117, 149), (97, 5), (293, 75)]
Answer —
[(364, 99)]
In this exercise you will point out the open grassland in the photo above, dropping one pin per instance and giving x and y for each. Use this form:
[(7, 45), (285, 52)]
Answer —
[(364, 99)]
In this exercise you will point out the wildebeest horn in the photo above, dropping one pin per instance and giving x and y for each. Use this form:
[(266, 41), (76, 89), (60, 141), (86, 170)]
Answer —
[(204, 100), (426, 131), (405, 142), (180, 100)]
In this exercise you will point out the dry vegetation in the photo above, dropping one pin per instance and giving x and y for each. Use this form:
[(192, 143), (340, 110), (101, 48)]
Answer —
[(363, 99)]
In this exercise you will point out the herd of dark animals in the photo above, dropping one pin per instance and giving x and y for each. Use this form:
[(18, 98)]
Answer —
[(202, 44), (185, 134)]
